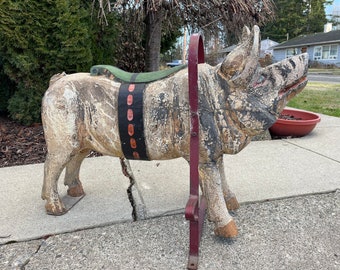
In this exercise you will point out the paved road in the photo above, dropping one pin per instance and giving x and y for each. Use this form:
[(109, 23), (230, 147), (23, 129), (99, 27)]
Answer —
[(324, 78), (289, 234)]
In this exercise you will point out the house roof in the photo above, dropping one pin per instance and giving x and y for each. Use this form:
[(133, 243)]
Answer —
[(312, 39), (266, 44)]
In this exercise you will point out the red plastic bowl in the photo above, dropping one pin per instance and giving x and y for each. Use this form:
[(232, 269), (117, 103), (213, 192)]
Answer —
[(295, 128)]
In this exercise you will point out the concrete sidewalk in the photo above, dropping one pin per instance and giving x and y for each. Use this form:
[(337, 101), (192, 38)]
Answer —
[(265, 170)]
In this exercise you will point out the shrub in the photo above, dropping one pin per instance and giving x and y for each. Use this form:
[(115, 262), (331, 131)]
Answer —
[(24, 106), (7, 88), (39, 39)]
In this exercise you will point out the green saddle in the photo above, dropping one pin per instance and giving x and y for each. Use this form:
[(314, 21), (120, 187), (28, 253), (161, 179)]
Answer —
[(128, 77)]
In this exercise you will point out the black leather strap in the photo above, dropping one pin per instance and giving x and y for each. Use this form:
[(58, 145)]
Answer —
[(131, 125)]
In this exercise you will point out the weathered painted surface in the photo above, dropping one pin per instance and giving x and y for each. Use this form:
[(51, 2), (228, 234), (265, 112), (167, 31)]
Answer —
[(237, 100)]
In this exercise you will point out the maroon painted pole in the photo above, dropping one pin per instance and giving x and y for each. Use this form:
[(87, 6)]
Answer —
[(195, 208)]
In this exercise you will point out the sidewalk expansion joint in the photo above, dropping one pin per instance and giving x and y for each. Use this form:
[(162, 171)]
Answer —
[(312, 151), (288, 197)]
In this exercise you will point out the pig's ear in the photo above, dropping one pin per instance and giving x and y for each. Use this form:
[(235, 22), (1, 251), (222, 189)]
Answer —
[(246, 34), (241, 64)]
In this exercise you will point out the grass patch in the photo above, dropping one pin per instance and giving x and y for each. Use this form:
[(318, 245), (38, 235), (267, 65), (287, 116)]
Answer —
[(320, 98)]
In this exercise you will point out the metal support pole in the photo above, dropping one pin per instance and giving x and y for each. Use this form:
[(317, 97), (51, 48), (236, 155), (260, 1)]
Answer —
[(196, 205)]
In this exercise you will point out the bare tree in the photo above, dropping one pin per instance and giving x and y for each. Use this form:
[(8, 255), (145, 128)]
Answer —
[(156, 16)]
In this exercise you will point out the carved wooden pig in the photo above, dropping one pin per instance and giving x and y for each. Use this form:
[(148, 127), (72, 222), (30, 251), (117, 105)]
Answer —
[(237, 100)]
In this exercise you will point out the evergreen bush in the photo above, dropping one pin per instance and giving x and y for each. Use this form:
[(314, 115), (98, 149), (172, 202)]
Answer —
[(42, 38), (7, 88)]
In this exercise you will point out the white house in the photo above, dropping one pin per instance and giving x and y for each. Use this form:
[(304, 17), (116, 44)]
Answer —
[(321, 47), (266, 47)]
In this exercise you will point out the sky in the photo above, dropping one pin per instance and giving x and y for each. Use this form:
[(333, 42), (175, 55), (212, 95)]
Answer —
[(336, 4)]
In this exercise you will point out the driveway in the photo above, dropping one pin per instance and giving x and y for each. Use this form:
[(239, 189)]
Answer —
[(327, 78)]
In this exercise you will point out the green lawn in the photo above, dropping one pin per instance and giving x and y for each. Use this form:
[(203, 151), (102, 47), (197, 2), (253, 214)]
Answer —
[(320, 98)]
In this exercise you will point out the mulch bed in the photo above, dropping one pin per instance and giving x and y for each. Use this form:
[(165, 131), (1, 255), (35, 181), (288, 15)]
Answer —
[(21, 145)]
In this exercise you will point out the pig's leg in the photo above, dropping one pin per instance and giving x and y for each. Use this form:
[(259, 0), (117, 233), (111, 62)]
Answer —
[(75, 188), (210, 178), (229, 196), (54, 165)]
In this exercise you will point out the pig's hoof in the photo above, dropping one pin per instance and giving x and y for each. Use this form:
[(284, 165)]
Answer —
[(55, 209), (76, 191), (232, 204), (228, 231)]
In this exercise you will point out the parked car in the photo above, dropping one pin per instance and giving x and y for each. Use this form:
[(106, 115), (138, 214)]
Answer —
[(175, 63)]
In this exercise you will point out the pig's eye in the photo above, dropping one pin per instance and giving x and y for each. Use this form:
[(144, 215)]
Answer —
[(261, 79)]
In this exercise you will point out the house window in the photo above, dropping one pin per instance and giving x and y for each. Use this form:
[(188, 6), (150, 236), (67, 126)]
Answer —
[(317, 52), (333, 52), (326, 52), (291, 52)]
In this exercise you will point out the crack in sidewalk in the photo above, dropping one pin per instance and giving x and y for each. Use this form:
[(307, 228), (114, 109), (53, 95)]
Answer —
[(22, 260), (136, 200)]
